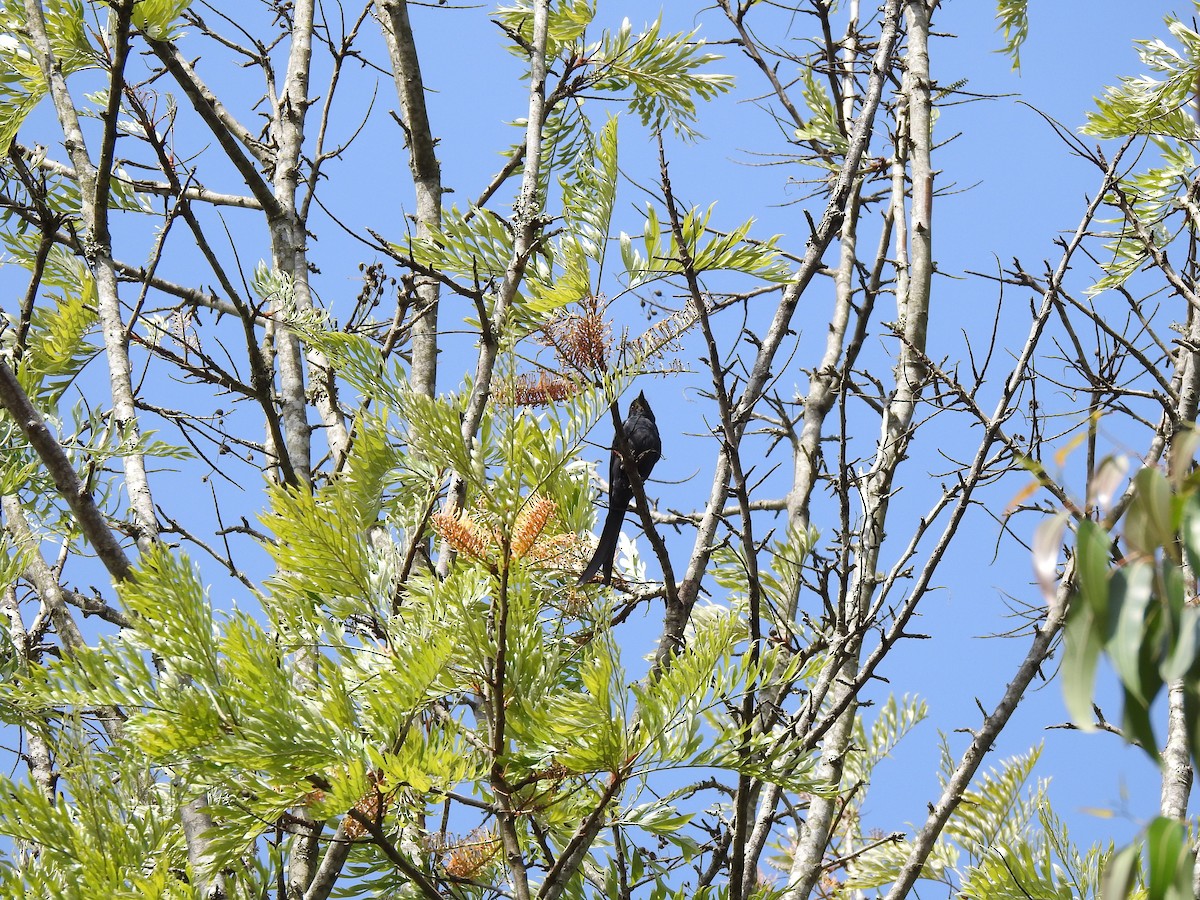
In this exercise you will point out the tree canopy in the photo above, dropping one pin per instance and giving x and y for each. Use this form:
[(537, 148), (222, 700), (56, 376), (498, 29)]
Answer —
[(318, 316)]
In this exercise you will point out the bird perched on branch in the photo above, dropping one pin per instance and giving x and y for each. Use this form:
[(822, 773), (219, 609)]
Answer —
[(645, 447)]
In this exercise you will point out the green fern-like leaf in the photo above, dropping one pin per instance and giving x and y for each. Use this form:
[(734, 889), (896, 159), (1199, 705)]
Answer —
[(823, 125), (118, 831), (586, 728), (13, 560), (880, 864), (589, 192), (709, 250), (659, 73), (1152, 195), (895, 720), (477, 248), (1017, 871), (996, 810), (672, 707), (1151, 105), (1013, 16), (321, 551), (157, 18), (565, 27), (172, 614), (56, 346), (22, 84)]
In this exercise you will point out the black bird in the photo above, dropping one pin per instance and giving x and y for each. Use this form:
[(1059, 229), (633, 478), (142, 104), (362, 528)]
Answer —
[(643, 441)]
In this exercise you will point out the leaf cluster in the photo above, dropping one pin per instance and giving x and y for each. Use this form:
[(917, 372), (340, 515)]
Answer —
[(1129, 603), (1004, 840), (22, 83), (1153, 104)]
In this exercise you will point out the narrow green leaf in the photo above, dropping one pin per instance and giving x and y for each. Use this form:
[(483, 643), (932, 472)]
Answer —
[(1152, 652), (1129, 596), (1047, 544), (1093, 547), (1182, 652), (1135, 722), (1191, 713), (1084, 641), (1013, 18), (1168, 853), (1183, 450), (657, 817), (1190, 531), (1120, 873), (1103, 485), (1148, 522)]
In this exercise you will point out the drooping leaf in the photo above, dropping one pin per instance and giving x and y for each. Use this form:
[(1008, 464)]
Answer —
[(1189, 530), (995, 810), (1047, 545), (660, 75), (476, 247), (567, 23), (1084, 640), (823, 123), (1149, 522), (1146, 104), (1136, 723), (1131, 595), (1093, 548), (157, 18), (1013, 16), (1102, 487)]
